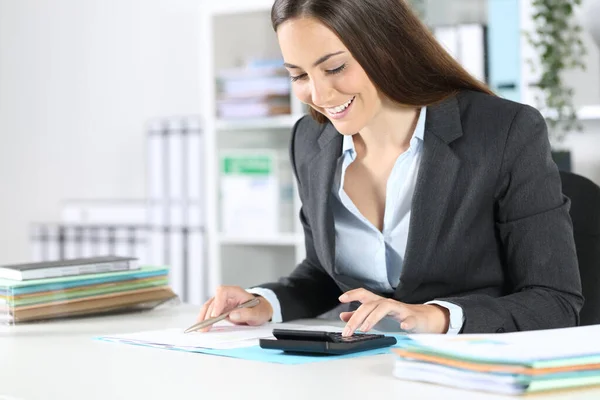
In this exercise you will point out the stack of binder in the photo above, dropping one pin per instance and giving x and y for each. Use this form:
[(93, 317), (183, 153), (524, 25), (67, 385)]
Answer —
[(510, 363), (176, 203), (75, 239), (259, 89), (69, 288)]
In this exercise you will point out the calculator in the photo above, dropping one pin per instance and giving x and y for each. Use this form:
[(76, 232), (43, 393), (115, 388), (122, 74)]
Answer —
[(320, 342)]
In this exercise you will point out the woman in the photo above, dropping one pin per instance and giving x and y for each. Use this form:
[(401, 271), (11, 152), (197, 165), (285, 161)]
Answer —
[(425, 198)]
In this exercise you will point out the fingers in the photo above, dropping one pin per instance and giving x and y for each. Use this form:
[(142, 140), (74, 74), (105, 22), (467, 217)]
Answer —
[(249, 316), (226, 298), (221, 297), (385, 308), (207, 316), (361, 295), (409, 324), (203, 311), (413, 318), (359, 316), (369, 314), (345, 316), (366, 316)]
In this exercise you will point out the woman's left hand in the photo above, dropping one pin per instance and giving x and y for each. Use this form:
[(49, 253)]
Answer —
[(417, 318)]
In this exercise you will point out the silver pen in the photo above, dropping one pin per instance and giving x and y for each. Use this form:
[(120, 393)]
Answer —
[(214, 320)]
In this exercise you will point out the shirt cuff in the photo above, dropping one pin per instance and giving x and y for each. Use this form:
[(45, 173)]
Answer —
[(269, 295), (457, 318)]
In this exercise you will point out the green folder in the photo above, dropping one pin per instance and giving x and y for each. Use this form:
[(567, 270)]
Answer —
[(14, 287), (93, 291)]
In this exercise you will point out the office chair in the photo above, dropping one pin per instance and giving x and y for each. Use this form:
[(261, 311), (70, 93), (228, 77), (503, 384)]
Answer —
[(585, 214)]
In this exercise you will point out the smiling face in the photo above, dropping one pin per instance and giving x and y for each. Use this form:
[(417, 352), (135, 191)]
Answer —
[(326, 76)]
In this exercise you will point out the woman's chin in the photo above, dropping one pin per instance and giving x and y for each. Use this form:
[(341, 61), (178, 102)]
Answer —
[(344, 127)]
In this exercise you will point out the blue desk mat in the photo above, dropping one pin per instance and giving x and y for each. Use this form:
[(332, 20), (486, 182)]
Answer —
[(256, 353)]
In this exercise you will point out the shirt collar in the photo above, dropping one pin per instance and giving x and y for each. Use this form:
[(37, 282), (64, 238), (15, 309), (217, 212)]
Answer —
[(348, 142), (420, 128)]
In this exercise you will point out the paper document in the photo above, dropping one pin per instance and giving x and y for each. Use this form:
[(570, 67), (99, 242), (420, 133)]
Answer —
[(511, 363), (518, 347), (223, 335)]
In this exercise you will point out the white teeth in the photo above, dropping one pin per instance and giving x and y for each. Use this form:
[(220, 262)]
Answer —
[(339, 109)]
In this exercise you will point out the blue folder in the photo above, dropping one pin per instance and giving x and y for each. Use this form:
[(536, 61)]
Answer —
[(256, 353)]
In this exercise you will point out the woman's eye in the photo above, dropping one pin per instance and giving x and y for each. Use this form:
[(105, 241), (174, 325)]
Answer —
[(337, 70), (295, 78), (330, 72)]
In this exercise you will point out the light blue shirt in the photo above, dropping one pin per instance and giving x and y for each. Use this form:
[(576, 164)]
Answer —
[(362, 251)]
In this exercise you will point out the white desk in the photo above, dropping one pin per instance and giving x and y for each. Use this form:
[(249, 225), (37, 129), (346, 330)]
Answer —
[(60, 360)]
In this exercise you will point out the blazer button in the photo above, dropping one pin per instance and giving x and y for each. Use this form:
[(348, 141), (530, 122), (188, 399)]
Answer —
[(500, 330)]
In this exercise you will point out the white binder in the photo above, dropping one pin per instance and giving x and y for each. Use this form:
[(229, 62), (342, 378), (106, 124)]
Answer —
[(71, 243), (177, 217), (196, 271), (466, 43), (102, 247), (156, 161), (87, 246), (52, 243), (471, 42), (158, 213), (195, 214), (37, 242), (122, 247), (157, 246), (175, 148), (176, 261), (141, 243), (447, 36), (194, 170)]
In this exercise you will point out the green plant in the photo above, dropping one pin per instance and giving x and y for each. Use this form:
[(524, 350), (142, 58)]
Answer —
[(559, 46)]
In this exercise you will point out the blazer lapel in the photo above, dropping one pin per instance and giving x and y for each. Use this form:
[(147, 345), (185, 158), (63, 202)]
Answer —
[(321, 173), (437, 173)]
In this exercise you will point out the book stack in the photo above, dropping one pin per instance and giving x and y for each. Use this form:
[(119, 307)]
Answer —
[(509, 363), (79, 287), (258, 89)]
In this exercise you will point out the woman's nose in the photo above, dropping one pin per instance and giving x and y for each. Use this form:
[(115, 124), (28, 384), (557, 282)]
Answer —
[(320, 93)]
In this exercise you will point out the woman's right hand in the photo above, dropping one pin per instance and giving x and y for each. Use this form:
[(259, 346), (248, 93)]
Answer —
[(229, 297)]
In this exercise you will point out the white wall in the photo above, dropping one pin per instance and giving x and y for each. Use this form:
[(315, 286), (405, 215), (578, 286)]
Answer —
[(78, 80)]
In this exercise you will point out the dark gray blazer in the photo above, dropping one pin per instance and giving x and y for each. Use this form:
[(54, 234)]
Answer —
[(490, 229)]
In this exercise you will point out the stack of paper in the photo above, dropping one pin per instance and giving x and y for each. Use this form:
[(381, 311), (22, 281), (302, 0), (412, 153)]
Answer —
[(511, 363), (82, 294)]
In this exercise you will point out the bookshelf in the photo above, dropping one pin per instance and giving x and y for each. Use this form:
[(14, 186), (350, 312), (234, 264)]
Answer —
[(233, 32)]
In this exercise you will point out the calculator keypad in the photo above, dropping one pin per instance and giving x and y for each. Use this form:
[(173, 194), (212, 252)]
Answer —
[(357, 337)]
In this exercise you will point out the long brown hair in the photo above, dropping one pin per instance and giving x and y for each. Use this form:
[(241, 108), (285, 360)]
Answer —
[(397, 51)]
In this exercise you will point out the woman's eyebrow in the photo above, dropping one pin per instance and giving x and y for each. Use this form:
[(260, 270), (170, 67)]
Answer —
[(319, 61)]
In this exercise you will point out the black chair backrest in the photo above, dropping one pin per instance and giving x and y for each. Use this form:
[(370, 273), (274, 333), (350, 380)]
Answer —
[(585, 214)]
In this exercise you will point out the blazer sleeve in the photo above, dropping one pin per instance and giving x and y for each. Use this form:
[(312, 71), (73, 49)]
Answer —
[(309, 290), (534, 228)]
